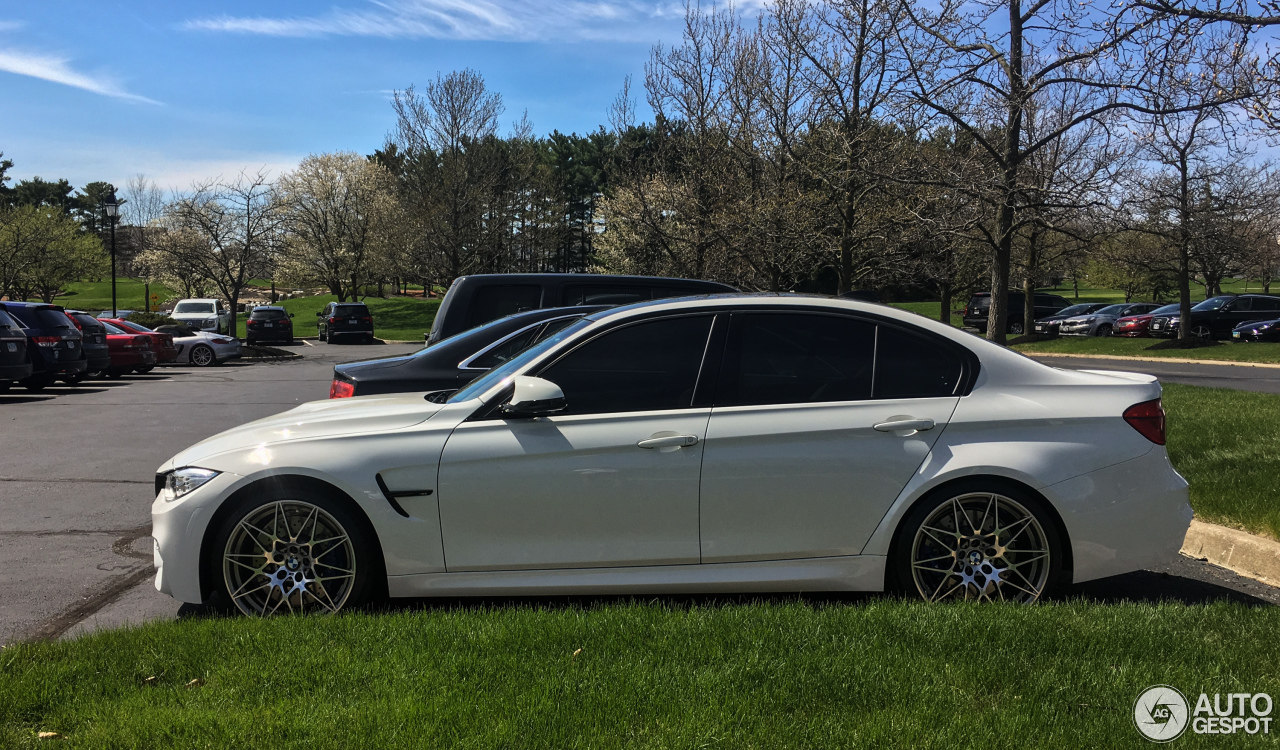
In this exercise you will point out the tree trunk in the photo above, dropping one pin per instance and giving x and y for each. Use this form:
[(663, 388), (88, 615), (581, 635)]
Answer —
[(1029, 288), (944, 313)]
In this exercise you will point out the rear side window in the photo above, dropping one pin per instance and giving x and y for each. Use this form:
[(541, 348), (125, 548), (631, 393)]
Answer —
[(8, 322), (499, 301), (41, 317), (604, 294), (1266, 303), (909, 365), (505, 350), (796, 358), (648, 366)]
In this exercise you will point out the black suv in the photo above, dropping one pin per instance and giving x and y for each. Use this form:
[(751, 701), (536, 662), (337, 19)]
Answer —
[(269, 323), (475, 300), (975, 315), (1217, 316), (53, 343), (13, 352), (346, 320), (94, 340)]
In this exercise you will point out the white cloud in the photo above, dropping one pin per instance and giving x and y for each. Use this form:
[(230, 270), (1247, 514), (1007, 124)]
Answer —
[(490, 20), (56, 70)]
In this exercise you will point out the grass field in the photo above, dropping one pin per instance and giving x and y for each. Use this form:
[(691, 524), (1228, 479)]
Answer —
[(96, 295), (1115, 345), (397, 318), (1227, 445), (875, 672)]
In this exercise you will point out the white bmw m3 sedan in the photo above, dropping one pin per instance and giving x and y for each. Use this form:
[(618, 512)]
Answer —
[(737, 443)]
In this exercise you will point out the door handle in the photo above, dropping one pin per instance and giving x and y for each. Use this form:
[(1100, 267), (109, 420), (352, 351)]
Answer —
[(904, 424), (668, 440)]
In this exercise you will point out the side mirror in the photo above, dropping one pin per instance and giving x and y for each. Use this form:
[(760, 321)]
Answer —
[(290, 315), (534, 397), (320, 314)]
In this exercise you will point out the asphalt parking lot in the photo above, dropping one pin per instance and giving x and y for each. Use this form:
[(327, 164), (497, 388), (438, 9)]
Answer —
[(76, 480)]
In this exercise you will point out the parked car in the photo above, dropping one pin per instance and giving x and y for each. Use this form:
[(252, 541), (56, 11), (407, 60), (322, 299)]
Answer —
[(269, 323), (201, 348), (457, 360), (120, 314), (1257, 330), (161, 342), (1102, 322), (1217, 316), (1136, 326), (14, 364), (1048, 326), (53, 343), (475, 300), (737, 443), (130, 351), (203, 315), (93, 337), (975, 315), (345, 320)]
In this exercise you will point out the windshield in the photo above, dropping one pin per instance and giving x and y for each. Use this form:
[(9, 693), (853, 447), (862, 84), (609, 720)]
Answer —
[(1166, 309), (1213, 303), (1112, 310), (1078, 309), (498, 374), (131, 326), (194, 307)]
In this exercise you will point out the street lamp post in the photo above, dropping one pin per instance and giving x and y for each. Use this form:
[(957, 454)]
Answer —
[(112, 208)]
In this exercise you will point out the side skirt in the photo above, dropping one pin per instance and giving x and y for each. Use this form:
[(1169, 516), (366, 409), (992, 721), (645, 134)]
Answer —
[(852, 573)]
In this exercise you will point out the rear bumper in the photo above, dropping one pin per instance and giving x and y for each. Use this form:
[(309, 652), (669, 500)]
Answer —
[(140, 357), (67, 367), (1126, 517), (15, 372)]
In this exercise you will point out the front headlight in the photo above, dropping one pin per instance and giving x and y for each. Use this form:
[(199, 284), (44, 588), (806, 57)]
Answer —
[(1090, 319), (181, 481)]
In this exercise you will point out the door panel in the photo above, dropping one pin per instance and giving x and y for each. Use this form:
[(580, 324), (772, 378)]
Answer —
[(807, 480), (571, 492)]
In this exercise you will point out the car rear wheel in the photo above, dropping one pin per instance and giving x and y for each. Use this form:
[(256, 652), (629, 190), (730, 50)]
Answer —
[(980, 542), (144, 370), (202, 356), (1016, 328), (74, 379), (1104, 330), (38, 382), (288, 553)]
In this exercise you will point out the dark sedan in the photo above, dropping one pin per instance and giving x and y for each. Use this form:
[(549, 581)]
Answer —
[(1048, 325), (1257, 330), (1218, 316), (457, 360)]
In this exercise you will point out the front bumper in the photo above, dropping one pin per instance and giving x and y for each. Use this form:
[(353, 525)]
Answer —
[(1126, 517), (1075, 329), (178, 527)]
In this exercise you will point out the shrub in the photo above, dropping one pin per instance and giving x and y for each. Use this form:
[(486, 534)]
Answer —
[(151, 320)]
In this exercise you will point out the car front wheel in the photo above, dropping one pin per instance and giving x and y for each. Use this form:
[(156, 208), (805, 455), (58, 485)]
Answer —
[(1104, 330), (284, 552), (979, 542), (1202, 332)]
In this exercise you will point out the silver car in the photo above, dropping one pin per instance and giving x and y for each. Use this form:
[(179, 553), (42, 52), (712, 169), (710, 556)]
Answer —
[(1103, 322), (201, 348)]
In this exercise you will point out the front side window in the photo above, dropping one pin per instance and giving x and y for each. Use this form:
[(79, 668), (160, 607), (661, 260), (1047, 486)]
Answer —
[(796, 358), (647, 366), (1213, 303)]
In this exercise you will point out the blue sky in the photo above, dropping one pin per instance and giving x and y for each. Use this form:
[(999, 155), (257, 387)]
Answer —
[(181, 91)]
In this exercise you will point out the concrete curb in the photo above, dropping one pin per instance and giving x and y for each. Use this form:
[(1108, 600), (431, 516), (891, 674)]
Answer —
[(1172, 360), (1249, 555)]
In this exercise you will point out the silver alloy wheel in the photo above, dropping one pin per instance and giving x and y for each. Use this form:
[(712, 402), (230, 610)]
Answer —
[(980, 546), (289, 556), (1104, 329), (1016, 329), (202, 356), (1201, 332)]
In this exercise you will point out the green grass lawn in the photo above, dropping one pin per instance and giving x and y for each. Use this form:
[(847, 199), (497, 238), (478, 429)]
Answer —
[(95, 296), (396, 318), (1115, 345), (861, 673), (1227, 445)]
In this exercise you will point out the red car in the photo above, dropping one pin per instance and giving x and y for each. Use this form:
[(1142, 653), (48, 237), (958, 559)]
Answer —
[(130, 352), (1135, 326), (161, 343)]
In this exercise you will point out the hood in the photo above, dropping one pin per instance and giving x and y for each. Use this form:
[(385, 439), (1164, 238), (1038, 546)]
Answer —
[(364, 414)]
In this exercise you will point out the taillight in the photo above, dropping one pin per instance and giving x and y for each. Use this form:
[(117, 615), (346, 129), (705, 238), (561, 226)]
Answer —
[(1148, 419), (46, 340), (342, 389), (73, 320), (366, 320), (333, 320)]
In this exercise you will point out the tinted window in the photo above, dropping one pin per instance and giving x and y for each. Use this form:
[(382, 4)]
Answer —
[(1112, 310), (341, 310), (604, 294), (1079, 309), (115, 330), (1266, 303), (1213, 303), (910, 365), (193, 307), (41, 317), (642, 367), (261, 314), (87, 322), (503, 351), (493, 302), (6, 321), (789, 358), (129, 325)]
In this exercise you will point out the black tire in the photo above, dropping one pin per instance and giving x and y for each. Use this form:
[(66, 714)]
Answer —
[(250, 342), (38, 382), (74, 380), (1103, 330), (202, 356), (369, 579), (1016, 328), (1202, 331), (900, 578)]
